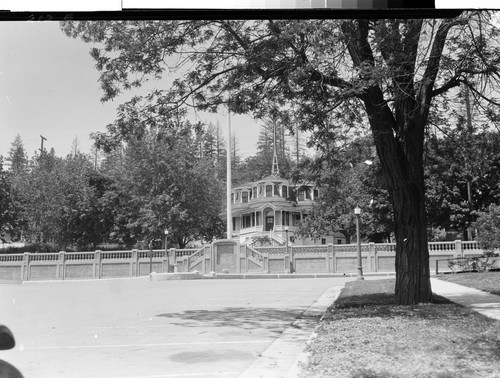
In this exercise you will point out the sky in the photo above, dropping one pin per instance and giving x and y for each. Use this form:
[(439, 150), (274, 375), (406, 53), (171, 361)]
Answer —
[(49, 86)]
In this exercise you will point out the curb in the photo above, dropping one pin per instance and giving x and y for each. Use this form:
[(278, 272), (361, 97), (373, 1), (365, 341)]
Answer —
[(213, 276), (283, 358), (248, 276)]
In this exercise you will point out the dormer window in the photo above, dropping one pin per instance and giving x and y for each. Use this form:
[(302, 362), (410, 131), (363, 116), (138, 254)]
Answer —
[(301, 195), (269, 190), (284, 190), (244, 196)]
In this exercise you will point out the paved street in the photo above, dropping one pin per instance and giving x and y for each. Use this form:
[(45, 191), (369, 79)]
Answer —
[(142, 328)]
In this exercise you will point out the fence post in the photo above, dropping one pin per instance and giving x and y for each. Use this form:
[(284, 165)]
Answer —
[(459, 252), (25, 267), (61, 269), (135, 263), (172, 259), (98, 263), (329, 252), (164, 261), (373, 254)]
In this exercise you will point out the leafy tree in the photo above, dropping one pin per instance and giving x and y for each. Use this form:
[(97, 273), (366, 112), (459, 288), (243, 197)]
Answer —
[(9, 206), (161, 183), (345, 184), (462, 177), (488, 227), (384, 73), (59, 201)]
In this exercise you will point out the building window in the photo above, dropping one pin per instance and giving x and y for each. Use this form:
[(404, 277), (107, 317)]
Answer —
[(269, 190), (234, 226), (237, 196), (308, 193), (284, 189), (232, 197), (323, 241), (295, 219), (302, 195), (285, 221), (247, 221), (253, 219), (276, 190), (339, 241), (316, 194), (244, 196), (258, 219), (261, 189)]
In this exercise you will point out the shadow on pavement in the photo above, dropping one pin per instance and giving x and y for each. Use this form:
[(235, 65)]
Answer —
[(270, 319)]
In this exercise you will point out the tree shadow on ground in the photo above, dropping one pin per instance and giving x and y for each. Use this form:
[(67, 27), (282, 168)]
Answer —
[(270, 319), (362, 299)]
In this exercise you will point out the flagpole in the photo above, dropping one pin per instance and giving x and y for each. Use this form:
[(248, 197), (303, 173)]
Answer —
[(228, 179)]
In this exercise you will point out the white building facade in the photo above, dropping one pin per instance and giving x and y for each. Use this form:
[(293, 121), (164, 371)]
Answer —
[(271, 209)]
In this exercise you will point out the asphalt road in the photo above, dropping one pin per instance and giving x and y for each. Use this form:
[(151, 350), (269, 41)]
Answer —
[(140, 328)]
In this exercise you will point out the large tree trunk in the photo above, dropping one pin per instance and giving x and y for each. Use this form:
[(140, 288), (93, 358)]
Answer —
[(401, 158), (412, 255)]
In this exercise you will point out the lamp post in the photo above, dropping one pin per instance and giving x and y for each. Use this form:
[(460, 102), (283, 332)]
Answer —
[(357, 212), (150, 256), (166, 250), (290, 255)]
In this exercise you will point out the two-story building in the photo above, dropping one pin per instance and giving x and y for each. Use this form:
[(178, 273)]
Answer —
[(271, 209)]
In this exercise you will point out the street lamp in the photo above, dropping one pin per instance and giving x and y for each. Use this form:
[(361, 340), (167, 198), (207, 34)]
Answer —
[(290, 256), (357, 212), (150, 256)]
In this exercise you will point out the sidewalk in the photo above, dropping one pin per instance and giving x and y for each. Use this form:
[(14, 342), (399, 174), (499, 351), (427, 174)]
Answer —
[(480, 301), (282, 358)]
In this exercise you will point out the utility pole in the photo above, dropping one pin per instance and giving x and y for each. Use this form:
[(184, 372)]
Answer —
[(469, 136), (297, 141), (229, 217), (41, 147)]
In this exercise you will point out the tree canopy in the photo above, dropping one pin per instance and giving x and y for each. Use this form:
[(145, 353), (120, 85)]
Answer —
[(334, 76)]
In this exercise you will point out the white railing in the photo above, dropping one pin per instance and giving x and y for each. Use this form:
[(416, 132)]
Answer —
[(336, 257)]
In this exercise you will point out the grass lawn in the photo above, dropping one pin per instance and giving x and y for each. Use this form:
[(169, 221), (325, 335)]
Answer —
[(486, 281), (363, 334)]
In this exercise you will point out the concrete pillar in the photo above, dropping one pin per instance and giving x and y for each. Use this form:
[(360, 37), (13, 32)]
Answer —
[(98, 264), (25, 267), (171, 257), (459, 252), (330, 253), (134, 268), (373, 254), (61, 266)]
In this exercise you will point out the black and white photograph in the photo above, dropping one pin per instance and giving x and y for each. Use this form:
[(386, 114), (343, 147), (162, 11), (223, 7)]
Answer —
[(256, 193)]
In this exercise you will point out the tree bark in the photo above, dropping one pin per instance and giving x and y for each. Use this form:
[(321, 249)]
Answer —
[(401, 158)]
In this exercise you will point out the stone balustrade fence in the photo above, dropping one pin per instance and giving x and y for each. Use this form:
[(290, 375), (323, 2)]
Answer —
[(331, 258)]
